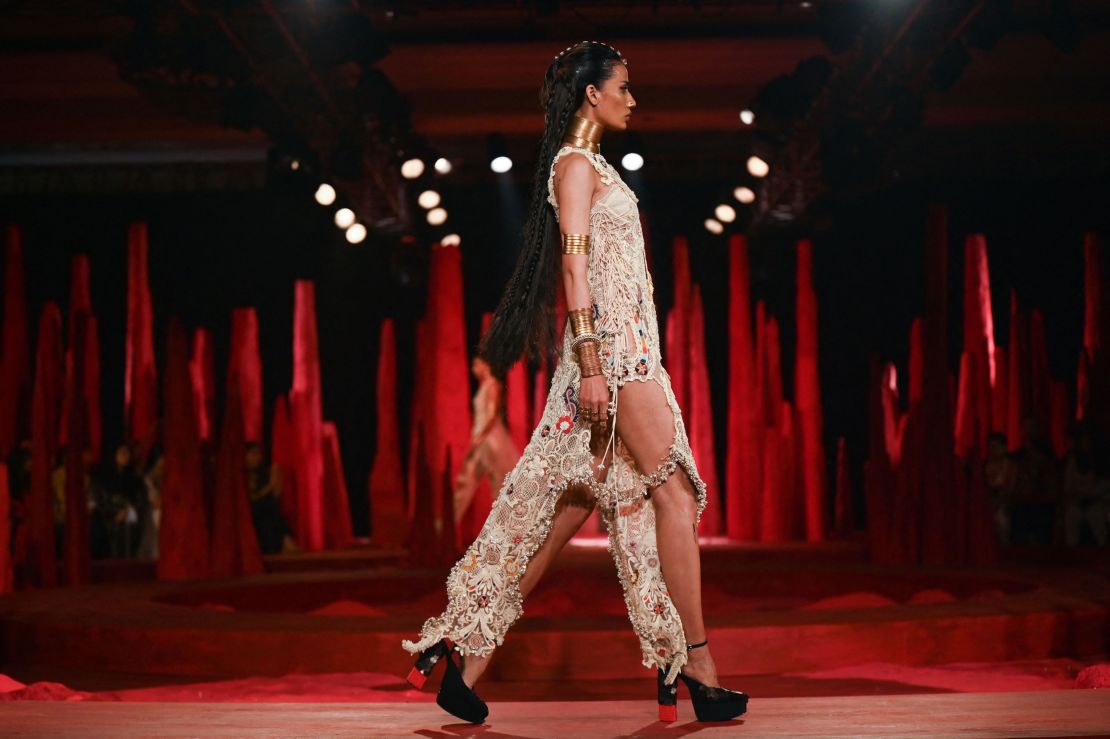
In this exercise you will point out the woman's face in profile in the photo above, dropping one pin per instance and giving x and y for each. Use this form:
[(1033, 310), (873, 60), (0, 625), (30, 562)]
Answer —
[(615, 101)]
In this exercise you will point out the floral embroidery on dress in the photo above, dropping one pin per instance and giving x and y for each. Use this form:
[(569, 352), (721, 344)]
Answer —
[(484, 597)]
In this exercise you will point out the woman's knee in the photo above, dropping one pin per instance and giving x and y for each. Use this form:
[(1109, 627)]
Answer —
[(673, 496)]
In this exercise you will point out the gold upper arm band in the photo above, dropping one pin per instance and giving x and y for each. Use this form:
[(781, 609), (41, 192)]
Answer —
[(576, 243)]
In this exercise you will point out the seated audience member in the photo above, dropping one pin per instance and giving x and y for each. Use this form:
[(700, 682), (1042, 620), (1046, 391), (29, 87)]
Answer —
[(1086, 489), (1035, 489)]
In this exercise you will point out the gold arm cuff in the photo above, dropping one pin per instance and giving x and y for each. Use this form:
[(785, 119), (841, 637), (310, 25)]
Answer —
[(582, 321), (588, 360), (576, 243)]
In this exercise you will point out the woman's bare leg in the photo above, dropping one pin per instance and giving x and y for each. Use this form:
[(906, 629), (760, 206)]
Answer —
[(645, 425), (571, 511)]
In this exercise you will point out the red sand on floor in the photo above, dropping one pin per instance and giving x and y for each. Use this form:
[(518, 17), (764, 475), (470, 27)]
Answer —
[(370, 687)]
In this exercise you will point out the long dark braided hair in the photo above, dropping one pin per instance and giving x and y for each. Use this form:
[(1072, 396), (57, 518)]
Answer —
[(525, 317)]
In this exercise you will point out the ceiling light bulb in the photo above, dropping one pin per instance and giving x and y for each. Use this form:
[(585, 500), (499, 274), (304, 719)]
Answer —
[(344, 217), (325, 194), (428, 199), (412, 168), (356, 233), (757, 167)]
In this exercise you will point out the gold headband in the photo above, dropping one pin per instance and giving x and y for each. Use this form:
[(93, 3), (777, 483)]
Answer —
[(600, 43)]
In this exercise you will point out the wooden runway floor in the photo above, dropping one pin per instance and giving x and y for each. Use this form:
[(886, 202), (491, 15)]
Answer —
[(1041, 714)]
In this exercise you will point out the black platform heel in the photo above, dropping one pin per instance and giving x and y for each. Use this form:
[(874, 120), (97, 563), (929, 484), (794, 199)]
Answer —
[(710, 703), (457, 698), (426, 662)]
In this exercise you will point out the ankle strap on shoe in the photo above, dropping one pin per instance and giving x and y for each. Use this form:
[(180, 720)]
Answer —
[(695, 646)]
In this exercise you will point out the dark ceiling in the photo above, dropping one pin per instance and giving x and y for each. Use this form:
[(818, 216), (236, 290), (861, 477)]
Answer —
[(471, 69)]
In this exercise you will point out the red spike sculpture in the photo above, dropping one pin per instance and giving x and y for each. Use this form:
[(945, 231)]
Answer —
[(307, 420), (140, 387), (202, 374), (743, 462), (449, 426), (245, 369), (88, 384), (183, 540), (338, 531), (678, 319), (15, 353), (235, 549), (701, 417), (979, 336), (388, 511)]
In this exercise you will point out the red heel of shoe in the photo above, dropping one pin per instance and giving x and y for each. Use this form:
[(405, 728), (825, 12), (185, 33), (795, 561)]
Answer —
[(426, 662), (668, 699), (416, 678)]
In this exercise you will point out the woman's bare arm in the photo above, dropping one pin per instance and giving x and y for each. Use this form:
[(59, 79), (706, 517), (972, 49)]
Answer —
[(574, 191)]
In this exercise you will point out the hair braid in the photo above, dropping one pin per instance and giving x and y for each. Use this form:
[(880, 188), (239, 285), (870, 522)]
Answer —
[(525, 316)]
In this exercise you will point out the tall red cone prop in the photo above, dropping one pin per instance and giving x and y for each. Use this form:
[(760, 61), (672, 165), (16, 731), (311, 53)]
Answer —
[(979, 334), (235, 549), (307, 420), (388, 509), (140, 386), (245, 369), (701, 417), (46, 405), (183, 540), (78, 566), (742, 466), (338, 532), (283, 453), (5, 532), (202, 374), (87, 384), (807, 396), (678, 319), (449, 425), (15, 353)]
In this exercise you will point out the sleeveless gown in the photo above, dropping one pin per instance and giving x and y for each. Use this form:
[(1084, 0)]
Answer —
[(484, 598)]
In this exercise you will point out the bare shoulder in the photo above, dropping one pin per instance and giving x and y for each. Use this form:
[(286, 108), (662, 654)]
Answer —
[(576, 171)]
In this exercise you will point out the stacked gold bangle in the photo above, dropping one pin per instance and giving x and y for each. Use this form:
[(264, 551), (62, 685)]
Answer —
[(576, 243), (585, 340)]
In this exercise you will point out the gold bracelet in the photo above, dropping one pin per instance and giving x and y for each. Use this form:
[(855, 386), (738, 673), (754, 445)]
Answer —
[(588, 360), (576, 243), (582, 320)]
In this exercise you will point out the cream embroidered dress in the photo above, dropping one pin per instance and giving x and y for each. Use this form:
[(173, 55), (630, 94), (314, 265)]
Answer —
[(484, 598)]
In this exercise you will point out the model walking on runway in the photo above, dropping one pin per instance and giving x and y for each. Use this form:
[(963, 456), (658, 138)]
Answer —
[(611, 434)]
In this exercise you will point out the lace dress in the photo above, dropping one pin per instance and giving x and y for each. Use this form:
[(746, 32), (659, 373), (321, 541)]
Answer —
[(484, 598)]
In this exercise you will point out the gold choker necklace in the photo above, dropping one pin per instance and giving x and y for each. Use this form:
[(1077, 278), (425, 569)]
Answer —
[(584, 134)]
